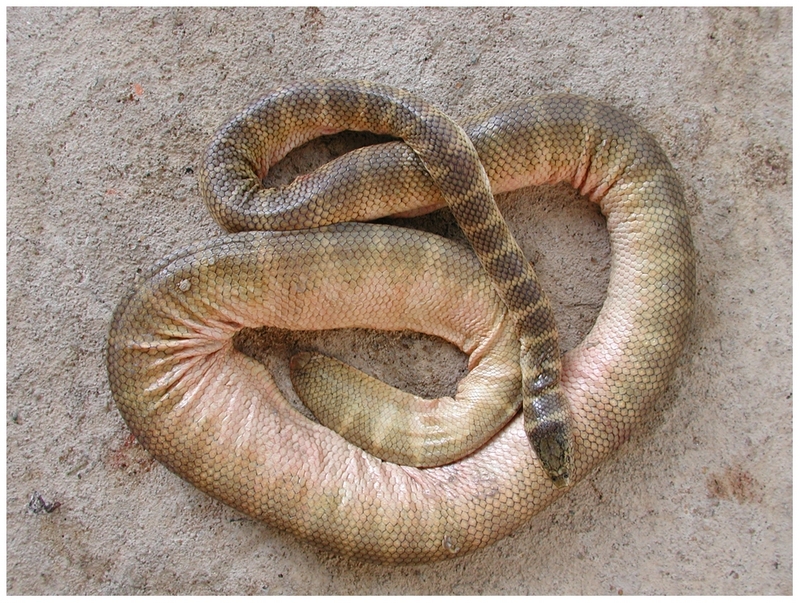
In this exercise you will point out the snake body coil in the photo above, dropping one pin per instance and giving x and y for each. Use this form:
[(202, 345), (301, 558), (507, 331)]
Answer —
[(216, 418)]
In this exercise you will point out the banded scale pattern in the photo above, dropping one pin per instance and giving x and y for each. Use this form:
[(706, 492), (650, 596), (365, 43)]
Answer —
[(243, 150)]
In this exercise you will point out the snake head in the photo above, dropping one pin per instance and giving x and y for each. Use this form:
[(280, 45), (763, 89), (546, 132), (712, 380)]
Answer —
[(552, 443)]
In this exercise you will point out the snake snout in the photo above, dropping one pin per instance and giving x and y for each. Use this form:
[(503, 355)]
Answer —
[(551, 442)]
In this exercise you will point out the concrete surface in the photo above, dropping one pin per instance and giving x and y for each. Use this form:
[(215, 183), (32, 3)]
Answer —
[(108, 113)]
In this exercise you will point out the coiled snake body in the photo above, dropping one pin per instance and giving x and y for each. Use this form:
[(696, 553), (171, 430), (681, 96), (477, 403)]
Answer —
[(216, 417)]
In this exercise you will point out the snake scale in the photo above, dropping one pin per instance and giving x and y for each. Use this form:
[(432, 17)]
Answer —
[(216, 417)]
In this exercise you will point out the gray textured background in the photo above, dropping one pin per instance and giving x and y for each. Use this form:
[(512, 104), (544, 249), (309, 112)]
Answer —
[(108, 114)]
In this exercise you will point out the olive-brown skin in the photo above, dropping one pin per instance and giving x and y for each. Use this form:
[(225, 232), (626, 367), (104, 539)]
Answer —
[(216, 418)]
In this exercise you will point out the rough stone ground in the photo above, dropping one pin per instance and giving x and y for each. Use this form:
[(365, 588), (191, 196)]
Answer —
[(108, 113)]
